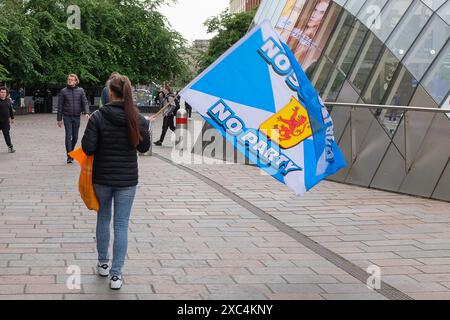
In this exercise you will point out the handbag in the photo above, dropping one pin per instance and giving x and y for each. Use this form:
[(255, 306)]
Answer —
[(85, 184)]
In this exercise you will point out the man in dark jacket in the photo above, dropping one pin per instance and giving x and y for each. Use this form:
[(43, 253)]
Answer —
[(6, 117), (72, 102)]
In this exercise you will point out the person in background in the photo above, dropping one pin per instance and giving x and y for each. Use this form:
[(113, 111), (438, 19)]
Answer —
[(105, 92), (114, 135), (6, 117), (169, 113), (395, 102), (22, 97), (72, 102)]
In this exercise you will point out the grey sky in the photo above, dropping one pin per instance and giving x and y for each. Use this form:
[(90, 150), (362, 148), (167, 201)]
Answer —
[(187, 16)]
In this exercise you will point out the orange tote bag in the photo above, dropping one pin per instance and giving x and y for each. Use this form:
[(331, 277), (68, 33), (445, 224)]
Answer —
[(85, 185)]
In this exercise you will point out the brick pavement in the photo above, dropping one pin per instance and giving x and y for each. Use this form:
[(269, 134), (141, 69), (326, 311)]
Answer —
[(189, 241)]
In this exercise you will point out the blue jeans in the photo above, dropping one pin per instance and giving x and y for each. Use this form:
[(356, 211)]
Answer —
[(123, 201), (72, 126)]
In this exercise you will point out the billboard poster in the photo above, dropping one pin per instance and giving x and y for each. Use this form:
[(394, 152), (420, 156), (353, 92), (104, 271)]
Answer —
[(307, 26), (321, 38), (289, 16)]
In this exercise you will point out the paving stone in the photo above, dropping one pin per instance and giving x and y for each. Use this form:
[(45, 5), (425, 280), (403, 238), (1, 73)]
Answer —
[(295, 288), (26, 279), (309, 278), (353, 296), (182, 296), (171, 288), (261, 279), (112, 296), (49, 289), (280, 270), (11, 289), (234, 296), (202, 279), (294, 296), (32, 297)]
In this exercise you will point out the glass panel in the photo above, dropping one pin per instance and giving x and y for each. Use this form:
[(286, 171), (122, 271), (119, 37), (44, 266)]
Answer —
[(271, 10), (433, 4), (334, 85), (311, 60), (399, 95), (261, 9), (351, 48), (405, 85), (410, 26), (381, 78), (446, 105), (263, 14), (339, 36), (340, 2), (354, 6), (320, 74), (427, 47), (277, 13), (390, 16), (371, 11), (365, 62), (444, 12), (437, 81)]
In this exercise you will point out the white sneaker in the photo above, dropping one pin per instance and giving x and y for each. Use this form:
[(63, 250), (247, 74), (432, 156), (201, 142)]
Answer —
[(103, 269), (115, 283)]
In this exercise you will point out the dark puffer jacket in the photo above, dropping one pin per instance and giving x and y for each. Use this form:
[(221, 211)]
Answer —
[(72, 102), (115, 158)]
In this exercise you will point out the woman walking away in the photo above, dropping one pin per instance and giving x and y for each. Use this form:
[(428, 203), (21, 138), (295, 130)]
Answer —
[(113, 135)]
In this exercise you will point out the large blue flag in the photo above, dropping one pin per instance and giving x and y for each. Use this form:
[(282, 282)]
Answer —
[(259, 98)]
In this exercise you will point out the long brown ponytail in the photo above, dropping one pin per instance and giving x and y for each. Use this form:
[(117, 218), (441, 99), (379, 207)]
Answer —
[(121, 86)]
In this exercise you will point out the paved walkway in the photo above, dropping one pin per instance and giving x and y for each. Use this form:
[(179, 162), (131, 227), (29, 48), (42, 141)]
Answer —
[(213, 232)]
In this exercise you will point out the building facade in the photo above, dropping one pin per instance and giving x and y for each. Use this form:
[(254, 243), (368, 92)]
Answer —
[(387, 52), (238, 6)]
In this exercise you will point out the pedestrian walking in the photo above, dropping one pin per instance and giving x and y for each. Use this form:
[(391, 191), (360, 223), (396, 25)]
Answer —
[(6, 117), (114, 135), (72, 102), (169, 113)]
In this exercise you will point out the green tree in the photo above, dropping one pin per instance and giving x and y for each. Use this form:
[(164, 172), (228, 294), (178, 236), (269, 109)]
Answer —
[(230, 28), (128, 36)]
